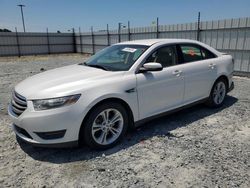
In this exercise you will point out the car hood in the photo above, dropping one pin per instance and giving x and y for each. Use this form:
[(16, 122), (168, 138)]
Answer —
[(62, 81)]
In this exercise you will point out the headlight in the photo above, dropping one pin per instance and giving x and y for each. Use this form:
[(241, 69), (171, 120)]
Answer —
[(46, 104)]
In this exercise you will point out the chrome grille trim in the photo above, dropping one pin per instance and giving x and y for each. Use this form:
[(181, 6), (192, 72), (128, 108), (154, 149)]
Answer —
[(19, 100), (20, 96), (18, 104)]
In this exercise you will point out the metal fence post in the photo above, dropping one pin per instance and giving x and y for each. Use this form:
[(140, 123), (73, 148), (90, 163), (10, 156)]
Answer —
[(231, 26), (48, 41), (17, 42), (129, 31), (93, 40), (157, 28), (80, 36), (224, 26), (198, 27), (119, 32), (237, 35), (74, 40), (108, 40), (217, 35), (243, 46)]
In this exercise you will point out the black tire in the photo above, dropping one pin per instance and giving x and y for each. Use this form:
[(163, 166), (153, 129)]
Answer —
[(211, 100), (86, 132)]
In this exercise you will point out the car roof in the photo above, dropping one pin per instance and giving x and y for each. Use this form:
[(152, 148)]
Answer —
[(149, 42)]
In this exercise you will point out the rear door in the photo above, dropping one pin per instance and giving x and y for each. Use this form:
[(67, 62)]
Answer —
[(199, 70)]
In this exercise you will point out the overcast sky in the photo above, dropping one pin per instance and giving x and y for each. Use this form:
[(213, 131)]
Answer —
[(65, 14)]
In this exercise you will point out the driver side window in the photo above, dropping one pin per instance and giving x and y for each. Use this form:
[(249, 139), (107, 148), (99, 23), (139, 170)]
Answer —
[(166, 56)]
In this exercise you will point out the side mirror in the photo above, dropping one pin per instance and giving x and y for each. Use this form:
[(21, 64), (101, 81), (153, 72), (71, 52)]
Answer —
[(152, 66)]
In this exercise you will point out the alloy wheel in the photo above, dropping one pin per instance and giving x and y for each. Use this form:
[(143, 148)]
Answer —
[(219, 92), (107, 126)]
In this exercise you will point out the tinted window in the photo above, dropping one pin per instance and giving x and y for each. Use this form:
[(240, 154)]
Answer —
[(165, 56), (207, 54), (191, 53)]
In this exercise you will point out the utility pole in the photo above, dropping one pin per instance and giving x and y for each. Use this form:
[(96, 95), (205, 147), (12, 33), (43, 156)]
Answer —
[(21, 6), (120, 26)]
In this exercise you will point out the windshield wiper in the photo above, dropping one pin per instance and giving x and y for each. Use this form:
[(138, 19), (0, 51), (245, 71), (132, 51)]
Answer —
[(95, 66)]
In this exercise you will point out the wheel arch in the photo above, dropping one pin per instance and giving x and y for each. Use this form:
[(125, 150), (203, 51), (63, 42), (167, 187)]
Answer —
[(223, 77), (111, 99)]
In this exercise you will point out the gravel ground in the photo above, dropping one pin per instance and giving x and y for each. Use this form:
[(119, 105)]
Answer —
[(196, 147)]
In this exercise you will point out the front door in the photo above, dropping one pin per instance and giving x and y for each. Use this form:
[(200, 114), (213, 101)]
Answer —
[(161, 90)]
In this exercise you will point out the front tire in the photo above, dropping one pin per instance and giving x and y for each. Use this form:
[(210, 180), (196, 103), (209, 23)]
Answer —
[(217, 94), (105, 125)]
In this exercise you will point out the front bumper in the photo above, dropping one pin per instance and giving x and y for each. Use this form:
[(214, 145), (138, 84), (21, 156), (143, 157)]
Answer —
[(54, 145), (51, 128)]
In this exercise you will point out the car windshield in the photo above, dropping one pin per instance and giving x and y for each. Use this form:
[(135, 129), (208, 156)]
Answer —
[(117, 57)]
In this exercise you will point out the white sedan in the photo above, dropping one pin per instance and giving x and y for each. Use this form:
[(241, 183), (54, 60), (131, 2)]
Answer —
[(121, 86)]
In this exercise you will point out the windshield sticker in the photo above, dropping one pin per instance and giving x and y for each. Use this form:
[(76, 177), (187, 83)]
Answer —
[(131, 50)]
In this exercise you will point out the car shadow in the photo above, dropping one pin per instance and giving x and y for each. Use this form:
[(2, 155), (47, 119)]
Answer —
[(157, 127)]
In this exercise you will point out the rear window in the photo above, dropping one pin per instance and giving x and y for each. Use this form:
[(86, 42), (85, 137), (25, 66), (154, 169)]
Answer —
[(207, 54), (191, 53), (195, 53)]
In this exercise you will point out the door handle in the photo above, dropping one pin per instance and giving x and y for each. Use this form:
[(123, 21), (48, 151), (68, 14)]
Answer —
[(177, 72), (212, 65)]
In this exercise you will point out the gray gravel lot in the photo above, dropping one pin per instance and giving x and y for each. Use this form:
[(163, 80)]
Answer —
[(196, 147)]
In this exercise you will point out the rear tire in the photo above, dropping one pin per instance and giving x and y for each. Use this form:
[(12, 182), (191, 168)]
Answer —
[(217, 94), (105, 126)]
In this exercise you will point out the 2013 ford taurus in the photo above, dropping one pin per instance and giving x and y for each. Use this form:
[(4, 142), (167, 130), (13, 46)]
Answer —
[(121, 86)]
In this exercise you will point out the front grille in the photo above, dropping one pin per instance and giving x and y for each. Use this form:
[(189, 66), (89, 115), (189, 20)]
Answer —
[(18, 104)]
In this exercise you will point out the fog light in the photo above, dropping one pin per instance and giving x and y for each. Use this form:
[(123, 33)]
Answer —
[(51, 135)]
